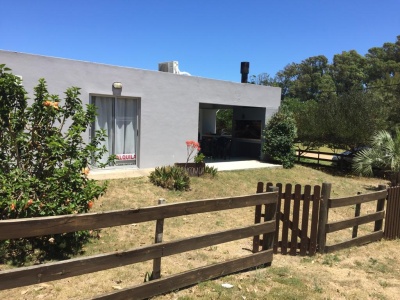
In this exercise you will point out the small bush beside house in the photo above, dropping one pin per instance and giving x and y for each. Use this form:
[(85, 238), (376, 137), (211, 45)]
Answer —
[(279, 134)]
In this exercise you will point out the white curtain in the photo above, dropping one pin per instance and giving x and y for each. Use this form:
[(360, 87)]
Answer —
[(125, 126), (104, 120)]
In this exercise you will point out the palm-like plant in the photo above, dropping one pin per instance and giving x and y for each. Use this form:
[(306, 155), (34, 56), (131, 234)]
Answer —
[(384, 154)]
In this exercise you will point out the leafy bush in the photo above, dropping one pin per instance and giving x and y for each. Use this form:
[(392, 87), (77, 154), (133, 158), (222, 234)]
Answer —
[(171, 177), (279, 135), (44, 164), (211, 170)]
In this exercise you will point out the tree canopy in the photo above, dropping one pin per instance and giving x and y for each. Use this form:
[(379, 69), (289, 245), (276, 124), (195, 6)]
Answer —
[(343, 102)]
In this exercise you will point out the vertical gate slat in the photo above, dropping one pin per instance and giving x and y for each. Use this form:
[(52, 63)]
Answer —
[(286, 217), (396, 214), (278, 219), (296, 213), (392, 223), (389, 212), (314, 220), (269, 214), (267, 209), (257, 219), (304, 221)]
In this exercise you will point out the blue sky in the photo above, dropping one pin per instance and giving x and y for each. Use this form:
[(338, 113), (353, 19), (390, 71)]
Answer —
[(209, 38)]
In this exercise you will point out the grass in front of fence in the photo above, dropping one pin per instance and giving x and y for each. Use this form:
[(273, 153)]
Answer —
[(376, 266)]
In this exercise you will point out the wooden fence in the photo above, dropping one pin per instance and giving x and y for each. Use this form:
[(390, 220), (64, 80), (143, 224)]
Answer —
[(302, 221), (392, 219), (317, 157), (21, 228), (297, 218), (329, 227)]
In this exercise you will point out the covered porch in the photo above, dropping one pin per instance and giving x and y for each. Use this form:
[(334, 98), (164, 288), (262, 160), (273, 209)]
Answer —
[(241, 139)]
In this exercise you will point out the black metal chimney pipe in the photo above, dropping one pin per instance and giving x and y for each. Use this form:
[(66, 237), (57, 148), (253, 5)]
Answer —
[(244, 70)]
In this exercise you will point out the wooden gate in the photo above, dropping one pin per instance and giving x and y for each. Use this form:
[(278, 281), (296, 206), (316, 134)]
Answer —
[(296, 220), (392, 219)]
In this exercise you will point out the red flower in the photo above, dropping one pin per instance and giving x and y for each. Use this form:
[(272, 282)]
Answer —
[(191, 146)]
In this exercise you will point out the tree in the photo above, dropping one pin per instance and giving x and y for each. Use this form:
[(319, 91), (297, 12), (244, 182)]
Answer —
[(279, 135), (383, 154), (346, 121), (44, 164), (349, 71), (224, 120)]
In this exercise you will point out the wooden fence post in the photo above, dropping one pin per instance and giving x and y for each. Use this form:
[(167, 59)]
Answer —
[(158, 239), (323, 216), (356, 214), (379, 207), (257, 219), (270, 214)]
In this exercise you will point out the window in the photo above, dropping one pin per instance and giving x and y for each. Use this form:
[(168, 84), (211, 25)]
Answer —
[(118, 117)]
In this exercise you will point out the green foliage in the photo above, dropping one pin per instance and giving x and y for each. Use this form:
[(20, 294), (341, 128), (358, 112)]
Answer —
[(383, 154), (345, 95), (44, 164), (170, 177), (199, 158), (338, 121), (211, 170), (224, 120), (279, 135)]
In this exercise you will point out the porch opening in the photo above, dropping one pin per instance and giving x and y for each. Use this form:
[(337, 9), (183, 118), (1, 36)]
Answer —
[(229, 132)]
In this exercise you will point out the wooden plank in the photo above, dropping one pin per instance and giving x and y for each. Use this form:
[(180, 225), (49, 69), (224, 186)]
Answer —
[(357, 212), (339, 202), (296, 217), (278, 218), (372, 237), (286, 218), (323, 216), (304, 245), (184, 279), (397, 209), (78, 266), (158, 239), (380, 206), (314, 220), (11, 229), (391, 212), (388, 216), (269, 215), (257, 218), (396, 214), (348, 223)]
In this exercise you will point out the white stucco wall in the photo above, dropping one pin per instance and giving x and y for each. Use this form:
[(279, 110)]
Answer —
[(169, 103)]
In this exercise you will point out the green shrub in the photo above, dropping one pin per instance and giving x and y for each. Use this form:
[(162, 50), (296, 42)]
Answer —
[(170, 177), (211, 170), (44, 164), (279, 135)]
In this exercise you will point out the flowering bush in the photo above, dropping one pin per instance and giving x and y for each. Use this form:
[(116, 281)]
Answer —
[(44, 164), (191, 146)]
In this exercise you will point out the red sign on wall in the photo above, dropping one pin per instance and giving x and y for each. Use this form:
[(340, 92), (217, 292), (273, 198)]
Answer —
[(131, 156)]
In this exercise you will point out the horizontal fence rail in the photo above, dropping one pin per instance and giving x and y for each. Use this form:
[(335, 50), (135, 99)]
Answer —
[(376, 217), (58, 270), (20, 228)]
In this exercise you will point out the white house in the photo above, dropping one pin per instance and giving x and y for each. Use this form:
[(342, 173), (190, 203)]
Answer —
[(149, 115)]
